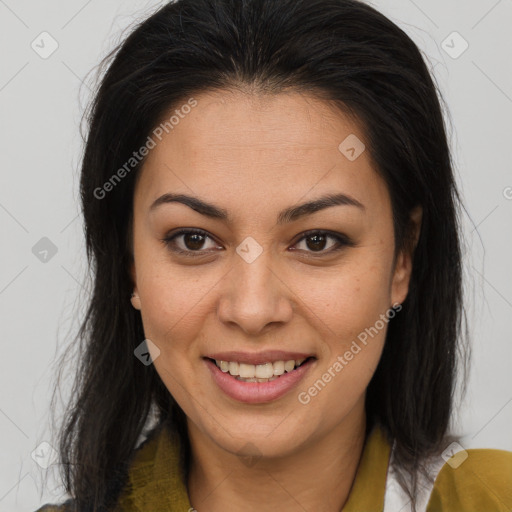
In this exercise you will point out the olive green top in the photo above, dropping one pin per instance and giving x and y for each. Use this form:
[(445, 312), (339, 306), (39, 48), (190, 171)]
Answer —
[(481, 483)]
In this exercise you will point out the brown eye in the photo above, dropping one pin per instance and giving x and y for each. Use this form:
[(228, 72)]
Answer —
[(193, 241), (317, 242), (188, 242)]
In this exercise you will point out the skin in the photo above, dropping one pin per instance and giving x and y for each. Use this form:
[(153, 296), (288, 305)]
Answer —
[(255, 155)]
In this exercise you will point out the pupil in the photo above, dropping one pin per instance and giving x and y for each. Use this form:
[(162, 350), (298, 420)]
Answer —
[(317, 239), (196, 241)]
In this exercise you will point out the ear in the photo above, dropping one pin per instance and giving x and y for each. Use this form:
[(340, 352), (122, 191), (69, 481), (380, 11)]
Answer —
[(135, 299), (404, 260)]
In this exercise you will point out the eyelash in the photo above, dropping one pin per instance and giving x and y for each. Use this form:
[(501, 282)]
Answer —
[(342, 241)]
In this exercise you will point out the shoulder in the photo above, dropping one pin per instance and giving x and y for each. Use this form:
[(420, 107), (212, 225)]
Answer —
[(475, 479)]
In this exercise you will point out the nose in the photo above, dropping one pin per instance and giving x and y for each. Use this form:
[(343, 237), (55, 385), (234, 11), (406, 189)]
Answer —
[(255, 296)]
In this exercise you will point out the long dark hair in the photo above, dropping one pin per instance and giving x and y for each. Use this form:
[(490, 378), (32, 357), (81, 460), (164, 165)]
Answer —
[(342, 51)]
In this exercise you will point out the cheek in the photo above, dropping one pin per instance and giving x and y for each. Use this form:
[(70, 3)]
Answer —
[(349, 313), (173, 303), (173, 316), (348, 299), (172, 296)]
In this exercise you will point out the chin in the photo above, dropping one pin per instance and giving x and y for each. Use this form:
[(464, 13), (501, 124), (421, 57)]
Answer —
[(269, 439)]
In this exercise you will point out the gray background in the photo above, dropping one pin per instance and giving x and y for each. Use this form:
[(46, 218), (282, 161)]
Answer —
[(41, 101)]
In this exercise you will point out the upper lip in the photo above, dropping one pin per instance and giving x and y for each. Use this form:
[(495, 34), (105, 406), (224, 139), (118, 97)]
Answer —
[(258, 357)]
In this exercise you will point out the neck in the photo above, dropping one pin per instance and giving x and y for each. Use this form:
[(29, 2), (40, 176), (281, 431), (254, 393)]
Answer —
[(317, 476)]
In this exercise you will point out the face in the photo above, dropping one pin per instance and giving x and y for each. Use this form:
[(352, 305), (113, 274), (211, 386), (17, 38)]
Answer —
[(255, 277)]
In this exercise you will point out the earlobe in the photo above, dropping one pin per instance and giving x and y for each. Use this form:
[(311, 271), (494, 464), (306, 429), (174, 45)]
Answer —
[(400, 283), (135, 300)]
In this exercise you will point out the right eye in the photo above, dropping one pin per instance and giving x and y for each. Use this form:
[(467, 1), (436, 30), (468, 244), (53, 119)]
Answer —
[(187, 242)]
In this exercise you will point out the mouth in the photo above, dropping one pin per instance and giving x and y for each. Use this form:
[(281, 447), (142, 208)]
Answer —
[(266, 372), (270, 379)]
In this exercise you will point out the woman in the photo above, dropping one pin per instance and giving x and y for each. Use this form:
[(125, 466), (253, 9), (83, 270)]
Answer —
[(271, 216)]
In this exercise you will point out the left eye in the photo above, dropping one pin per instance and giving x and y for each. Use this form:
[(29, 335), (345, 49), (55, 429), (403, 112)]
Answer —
[(192, 241), (316, 241)]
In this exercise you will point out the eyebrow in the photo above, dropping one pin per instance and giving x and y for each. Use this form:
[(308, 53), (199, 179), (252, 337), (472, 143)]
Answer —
[(287, 215)]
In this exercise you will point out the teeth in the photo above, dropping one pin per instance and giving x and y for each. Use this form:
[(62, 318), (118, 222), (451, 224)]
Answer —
[(258, 373), (278, 367), (247, 371), (264, 371), (289, 366), (233, 368)]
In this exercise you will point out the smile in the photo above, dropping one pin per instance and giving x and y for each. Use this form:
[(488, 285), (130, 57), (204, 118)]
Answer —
[(265, 372), (258, 383)]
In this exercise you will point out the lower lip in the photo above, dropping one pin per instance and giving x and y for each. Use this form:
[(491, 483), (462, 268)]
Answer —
[(257, 392)]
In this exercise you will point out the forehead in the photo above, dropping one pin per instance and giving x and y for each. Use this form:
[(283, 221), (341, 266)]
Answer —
[(244, 148)]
